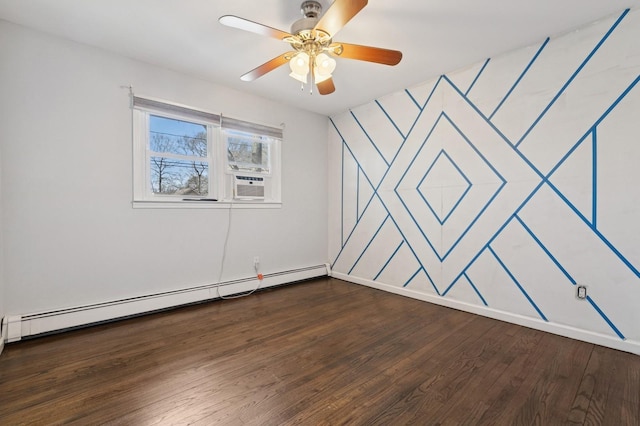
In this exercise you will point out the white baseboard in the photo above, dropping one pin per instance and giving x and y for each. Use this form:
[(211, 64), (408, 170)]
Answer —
[(559, 329), (23, 325)]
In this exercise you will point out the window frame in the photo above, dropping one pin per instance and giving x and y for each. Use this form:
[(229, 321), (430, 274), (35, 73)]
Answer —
[(220, 177)]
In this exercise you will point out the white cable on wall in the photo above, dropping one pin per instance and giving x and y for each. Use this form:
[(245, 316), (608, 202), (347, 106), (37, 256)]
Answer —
[(222, 261)]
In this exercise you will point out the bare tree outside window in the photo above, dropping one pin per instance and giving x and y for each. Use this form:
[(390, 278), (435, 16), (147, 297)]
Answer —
[(180, 162), (248, 152)]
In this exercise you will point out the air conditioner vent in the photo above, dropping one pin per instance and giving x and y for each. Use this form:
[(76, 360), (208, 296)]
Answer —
[(248, 187)]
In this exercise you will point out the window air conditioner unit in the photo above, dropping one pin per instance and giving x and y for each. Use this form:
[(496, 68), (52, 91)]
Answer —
[(248, 187)]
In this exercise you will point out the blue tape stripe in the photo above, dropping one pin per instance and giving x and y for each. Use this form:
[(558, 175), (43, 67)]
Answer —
[(422, 180), (477, 76), (519, 78), (498, 232), (390, 119), (415, 221), (594, 199), (410, 247), (595, 231), (408, 133), (616, 102), (613, 327), (542, 246), (575, 74), (375, 193), (564, 271), (408, 210), (358, 194), (432, 91), (346, 145), (453, 283), (369, 137), (389, 261), (413, 99), (469, 185), (415, 157), (412, 277), (475, 289), (518, 284), (473, 222), (495, 129), (411, 128), (456, 204), (455, 126), (357, 222), (486, 206), (567, 155), (368, 244), (591, 133), (408, 244)]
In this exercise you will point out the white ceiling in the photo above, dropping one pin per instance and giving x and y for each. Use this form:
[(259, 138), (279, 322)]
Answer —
[(435, 36)]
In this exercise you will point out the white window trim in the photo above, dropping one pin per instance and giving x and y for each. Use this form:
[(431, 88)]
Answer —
[(220, 179)]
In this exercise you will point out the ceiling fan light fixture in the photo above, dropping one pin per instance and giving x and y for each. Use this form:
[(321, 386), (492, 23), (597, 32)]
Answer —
[(323, 67), (325, 63), (299, 65)]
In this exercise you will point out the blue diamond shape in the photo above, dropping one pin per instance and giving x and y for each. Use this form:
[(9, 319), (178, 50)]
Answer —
[(473, 200), (443, 173)]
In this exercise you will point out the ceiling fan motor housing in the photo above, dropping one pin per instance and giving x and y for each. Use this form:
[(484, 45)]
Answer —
[(311, 11), (304, 24)]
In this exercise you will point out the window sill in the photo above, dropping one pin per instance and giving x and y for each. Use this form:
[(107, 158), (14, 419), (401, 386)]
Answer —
[(229, 204)]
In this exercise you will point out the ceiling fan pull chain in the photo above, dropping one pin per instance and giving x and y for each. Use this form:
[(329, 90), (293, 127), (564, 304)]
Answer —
[(312, 60)]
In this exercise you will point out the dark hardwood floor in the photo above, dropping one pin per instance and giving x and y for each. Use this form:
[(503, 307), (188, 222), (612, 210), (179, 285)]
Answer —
[(318, 352)]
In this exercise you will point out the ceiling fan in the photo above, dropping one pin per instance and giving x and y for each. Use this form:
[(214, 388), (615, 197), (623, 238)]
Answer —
[(312, 41)]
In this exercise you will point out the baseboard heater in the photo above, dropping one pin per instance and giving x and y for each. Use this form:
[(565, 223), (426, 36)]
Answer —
[(21, 326)]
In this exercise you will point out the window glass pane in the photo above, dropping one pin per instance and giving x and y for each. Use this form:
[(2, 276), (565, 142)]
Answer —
[(248, 152), (179, 177), (177, 136)]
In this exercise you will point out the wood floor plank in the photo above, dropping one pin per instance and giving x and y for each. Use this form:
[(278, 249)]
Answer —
[(543, 386), (613, 395), (318, 352), (382, 373)]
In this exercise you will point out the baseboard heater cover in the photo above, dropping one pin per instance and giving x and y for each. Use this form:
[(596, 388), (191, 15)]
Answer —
[(20, 326)]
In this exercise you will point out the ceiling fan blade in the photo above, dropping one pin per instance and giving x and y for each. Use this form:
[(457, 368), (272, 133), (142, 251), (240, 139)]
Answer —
[(338, 14), (366, 53), (254, 27), (267, 67), (326, 87)]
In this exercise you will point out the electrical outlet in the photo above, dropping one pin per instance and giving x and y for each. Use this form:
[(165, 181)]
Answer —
[(581, 292), (256, 261)]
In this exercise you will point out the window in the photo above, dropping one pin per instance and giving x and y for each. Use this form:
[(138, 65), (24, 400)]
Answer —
[(183, 155), (247, 152), (179, 157)]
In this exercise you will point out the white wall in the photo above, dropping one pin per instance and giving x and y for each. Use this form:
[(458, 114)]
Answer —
[(499, 188), (70, 234), (2, 310)]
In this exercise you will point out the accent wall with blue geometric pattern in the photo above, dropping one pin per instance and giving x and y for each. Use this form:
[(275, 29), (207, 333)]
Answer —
[(500, 188)]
